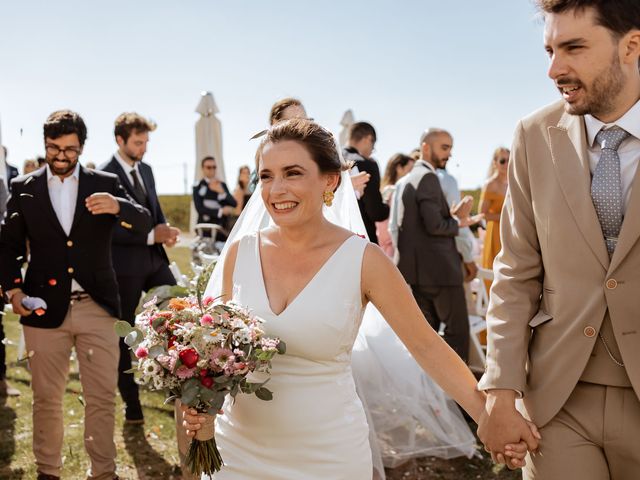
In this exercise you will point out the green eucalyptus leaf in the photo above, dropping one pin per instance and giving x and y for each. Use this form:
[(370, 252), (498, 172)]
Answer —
[(156, 350), (122, 328), (189, 396), (218, 401), (264, 394)]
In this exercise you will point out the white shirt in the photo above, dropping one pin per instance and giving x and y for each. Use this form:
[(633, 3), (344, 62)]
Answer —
[(151, 238), (64, 196), (629, 151)]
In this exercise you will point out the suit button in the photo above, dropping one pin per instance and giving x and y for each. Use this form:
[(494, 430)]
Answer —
[(70, 269), (69, 243), (611, 283), (589, 332)]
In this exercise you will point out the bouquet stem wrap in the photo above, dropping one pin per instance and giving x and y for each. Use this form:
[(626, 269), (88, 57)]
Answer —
[(203, 455)]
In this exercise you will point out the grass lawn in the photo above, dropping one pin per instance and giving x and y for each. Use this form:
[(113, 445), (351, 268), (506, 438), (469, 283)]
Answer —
[(149, 451)]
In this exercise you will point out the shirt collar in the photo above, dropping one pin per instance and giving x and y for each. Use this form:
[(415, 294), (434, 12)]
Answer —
[(125, 166), (426, 164), (629, 122), (75, 174)]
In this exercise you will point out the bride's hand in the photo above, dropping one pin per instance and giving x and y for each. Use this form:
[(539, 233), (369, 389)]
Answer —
[(516, 453), (191, 420)]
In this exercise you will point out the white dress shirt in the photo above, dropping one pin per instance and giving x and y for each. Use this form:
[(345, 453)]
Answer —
[(64, 196), (151, 238), (629, 151)]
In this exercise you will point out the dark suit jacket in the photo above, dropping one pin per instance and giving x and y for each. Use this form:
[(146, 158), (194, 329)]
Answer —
[(12, 172), (55, 257), (131, 254), (211, 213), (372, 208), (426, 245)]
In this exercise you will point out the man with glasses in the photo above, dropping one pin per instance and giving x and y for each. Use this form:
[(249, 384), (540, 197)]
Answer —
[(139, 258), (211, 197), (67, 214), (362, 140)]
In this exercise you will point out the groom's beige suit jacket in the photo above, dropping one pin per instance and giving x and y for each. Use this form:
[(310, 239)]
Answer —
[(553, 278)]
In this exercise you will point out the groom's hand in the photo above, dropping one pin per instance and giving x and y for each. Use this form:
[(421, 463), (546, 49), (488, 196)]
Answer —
[(501, 424)]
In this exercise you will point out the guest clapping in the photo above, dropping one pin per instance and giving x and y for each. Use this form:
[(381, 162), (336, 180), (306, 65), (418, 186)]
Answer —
[(212, 199), (362, 140)]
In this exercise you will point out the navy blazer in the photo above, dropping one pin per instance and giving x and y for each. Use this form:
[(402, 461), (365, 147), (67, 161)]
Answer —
[(56, 258), (131, 254)]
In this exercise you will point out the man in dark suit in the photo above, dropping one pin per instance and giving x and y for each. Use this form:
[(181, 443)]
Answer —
[(8, 172), (6, 390), (362, 139), (428, 258), (212, 199), (139, 258), (67, 214)]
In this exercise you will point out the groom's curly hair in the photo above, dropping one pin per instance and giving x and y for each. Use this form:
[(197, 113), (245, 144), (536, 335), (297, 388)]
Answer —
[(617, 16), (318, 141)]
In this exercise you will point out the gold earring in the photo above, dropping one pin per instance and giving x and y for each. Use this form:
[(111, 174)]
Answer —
[(327, 198)]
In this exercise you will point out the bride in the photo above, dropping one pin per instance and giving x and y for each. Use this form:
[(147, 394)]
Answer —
[(310, 280)]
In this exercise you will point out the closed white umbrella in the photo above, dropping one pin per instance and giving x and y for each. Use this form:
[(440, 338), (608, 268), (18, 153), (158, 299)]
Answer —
[(346, 122), (208, 135), (208, 141)]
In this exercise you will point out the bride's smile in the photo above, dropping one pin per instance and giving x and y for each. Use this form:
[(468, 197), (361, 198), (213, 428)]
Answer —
[(292, 183)]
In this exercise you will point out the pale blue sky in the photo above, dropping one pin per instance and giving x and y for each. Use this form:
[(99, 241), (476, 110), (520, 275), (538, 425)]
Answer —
[(472, 67)]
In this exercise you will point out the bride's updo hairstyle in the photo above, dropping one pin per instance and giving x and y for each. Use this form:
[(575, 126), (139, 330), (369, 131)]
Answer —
[(318, 141)]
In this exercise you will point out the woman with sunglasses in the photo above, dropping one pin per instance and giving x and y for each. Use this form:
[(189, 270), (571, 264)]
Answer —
[(491, 200)]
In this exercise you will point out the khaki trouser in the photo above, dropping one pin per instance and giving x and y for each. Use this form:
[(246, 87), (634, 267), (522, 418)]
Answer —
[(593, 437), (89, 328)]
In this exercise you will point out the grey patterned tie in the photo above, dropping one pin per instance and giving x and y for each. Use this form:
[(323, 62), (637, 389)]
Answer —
[(606, 186)]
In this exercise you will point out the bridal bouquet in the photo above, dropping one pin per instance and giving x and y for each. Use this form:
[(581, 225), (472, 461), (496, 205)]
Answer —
[(200, 350)]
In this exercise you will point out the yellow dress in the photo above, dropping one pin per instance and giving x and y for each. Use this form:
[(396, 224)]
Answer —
[(492, 238)]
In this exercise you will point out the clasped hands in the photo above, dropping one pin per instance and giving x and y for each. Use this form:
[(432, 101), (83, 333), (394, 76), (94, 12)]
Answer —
[(505, 433), (462, 212)]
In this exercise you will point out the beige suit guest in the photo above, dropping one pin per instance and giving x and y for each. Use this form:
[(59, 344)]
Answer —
[(564, 315)]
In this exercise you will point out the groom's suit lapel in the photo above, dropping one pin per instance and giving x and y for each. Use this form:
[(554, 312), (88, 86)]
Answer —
[(570, 158)]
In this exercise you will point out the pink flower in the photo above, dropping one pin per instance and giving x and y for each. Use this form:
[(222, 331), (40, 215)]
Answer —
[(141, 352), (168, 361), (183, 372), (220, 358), (206, 320), (208, 300)]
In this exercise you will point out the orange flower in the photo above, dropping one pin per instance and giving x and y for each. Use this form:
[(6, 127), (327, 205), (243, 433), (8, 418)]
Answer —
[(178, 304)]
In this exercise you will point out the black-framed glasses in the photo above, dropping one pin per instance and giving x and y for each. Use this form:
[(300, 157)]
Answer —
[(210, 167), (70, 153)]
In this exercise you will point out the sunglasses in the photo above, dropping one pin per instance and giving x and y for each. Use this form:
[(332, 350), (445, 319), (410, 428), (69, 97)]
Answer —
[(502, 161)]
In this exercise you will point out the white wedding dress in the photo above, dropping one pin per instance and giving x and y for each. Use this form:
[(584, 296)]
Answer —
[(407, 413), (315, 427)]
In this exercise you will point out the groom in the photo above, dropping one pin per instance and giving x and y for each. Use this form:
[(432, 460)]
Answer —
[(564, 326)]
